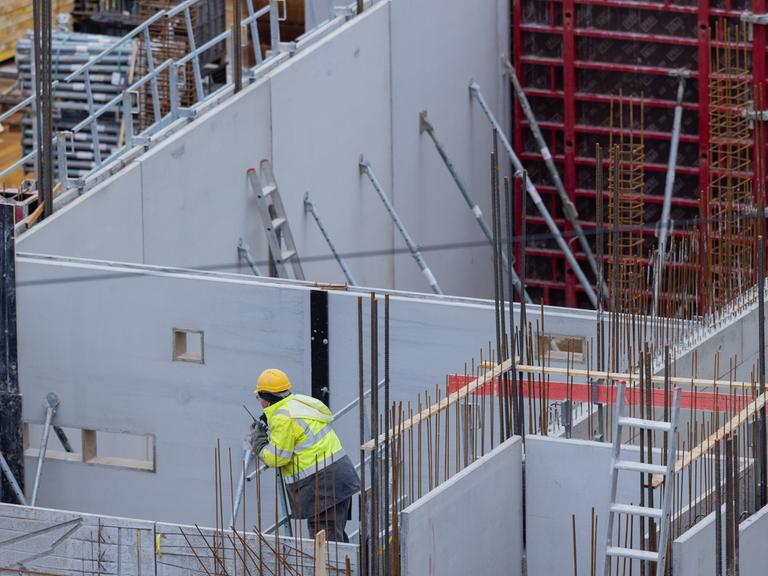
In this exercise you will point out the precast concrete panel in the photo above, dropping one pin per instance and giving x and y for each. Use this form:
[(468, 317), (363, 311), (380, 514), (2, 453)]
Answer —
[(694, 552), (331, 104), (472, 523), (565, 478), (105, 222), (197, 203), (432, 65), (108, 341)]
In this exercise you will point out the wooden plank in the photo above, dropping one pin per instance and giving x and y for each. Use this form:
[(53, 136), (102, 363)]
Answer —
[(709, 443), (499, 369), (321, 556), (16, 20)]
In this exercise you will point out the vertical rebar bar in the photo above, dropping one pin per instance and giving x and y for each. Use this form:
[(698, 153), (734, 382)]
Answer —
[(362, 512), (762, 460)]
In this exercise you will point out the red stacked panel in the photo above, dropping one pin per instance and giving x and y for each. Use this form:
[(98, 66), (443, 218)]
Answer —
[(574, 57)]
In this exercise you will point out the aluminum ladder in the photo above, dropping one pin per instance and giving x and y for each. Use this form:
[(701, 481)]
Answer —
[(661, 515), (275, 221)]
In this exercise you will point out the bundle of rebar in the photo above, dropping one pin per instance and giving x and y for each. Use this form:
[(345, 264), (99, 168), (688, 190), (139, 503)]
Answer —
[(729, 202)]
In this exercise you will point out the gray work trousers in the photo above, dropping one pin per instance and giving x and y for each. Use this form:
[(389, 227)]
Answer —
[(333, 520)]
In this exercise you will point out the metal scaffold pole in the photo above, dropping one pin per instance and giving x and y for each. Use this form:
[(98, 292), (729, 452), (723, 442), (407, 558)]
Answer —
[(309, 207), (474, 90), (426, 126), (367, 169), (568, 208)]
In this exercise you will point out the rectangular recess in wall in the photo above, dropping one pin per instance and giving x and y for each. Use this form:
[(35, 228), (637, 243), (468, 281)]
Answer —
[(559, 347), (119, 449), (188, 346)]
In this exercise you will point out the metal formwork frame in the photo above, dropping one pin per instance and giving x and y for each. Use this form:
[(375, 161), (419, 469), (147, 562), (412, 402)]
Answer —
[(568, 131)]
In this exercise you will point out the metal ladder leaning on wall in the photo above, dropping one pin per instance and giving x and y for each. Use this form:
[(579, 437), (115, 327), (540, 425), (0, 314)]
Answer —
[(275, 221), (659, 514)]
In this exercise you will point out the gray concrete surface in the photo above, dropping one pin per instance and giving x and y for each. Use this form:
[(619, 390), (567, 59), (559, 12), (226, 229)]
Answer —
[(566, 478), (107, 342), (753, 533), (471, 524), (694, 552), (359, 90)]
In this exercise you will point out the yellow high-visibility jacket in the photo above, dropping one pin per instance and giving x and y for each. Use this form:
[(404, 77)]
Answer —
[(301, 440)]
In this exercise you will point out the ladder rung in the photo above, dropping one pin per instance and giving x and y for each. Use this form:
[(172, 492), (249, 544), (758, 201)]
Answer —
[(267, 190), (641, 467), (287, 255), (630, 553), (637, 510), (647, 424), (277, 222)]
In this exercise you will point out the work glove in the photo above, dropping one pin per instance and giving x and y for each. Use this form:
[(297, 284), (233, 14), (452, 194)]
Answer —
[(259, 437)]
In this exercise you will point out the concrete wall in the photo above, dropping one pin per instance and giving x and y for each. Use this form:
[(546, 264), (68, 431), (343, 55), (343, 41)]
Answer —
[(431, 69), (565, 478), (104, 345), (438, 537), (693, 553), (734, 341), (753, 533), (186, 202), (70, 543), (106, 222)]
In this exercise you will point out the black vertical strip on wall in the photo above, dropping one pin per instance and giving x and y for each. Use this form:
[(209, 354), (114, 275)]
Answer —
[(11, 443), (318, 312)]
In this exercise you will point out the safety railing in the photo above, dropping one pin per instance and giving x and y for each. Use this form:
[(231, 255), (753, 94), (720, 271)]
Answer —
[(125, 103)]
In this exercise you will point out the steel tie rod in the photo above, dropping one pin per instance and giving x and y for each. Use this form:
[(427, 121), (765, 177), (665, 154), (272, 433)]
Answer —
[(309, 207), (568, 208), (474, 90), (367, 169), (426, 126), (669, 184)]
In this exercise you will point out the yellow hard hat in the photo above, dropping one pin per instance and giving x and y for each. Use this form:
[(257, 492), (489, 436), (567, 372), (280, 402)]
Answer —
[(273, 381)]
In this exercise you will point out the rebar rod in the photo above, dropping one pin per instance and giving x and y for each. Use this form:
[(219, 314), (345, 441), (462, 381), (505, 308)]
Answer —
[(530, 188), (718, 514), (762, 460), (387, 442), (363, 518), (375, 480)]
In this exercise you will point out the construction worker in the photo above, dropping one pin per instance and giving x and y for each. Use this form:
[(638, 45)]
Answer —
[(298, 440)]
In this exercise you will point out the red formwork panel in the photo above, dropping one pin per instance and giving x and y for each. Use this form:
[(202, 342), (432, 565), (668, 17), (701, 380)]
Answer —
[(574, 57)]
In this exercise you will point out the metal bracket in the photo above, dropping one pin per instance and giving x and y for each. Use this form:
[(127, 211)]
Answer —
[(680, 73), (750, 18), (51, 407), (759, 115), (346, 11), (424, 124)]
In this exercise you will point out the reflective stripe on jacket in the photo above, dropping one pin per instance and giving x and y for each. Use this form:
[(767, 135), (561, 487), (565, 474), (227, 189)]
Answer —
[(301, 440)]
